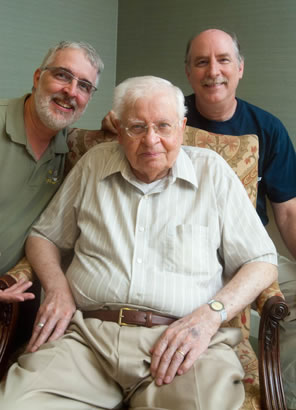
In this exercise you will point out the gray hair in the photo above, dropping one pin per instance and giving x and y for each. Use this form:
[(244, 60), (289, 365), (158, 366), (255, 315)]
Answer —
[(91, 54), (133, 88), (236, 46)]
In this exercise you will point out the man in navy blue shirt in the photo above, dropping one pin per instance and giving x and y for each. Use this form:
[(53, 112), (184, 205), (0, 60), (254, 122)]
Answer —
[(214, 66)]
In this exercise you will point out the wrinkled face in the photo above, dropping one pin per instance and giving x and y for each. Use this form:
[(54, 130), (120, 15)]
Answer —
[(151, 155), (214, 70), (60, 104)]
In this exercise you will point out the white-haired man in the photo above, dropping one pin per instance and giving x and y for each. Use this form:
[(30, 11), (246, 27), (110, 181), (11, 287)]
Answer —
[(166, 240)]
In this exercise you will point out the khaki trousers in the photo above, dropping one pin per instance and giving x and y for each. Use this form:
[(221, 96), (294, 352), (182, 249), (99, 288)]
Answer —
[(97, 365)]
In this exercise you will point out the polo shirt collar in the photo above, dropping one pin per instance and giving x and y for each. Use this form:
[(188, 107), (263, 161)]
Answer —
[(15, 127)]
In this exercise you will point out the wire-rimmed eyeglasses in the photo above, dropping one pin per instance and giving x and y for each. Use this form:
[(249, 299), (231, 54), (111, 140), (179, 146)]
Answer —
[(139, 130), (63, 76)]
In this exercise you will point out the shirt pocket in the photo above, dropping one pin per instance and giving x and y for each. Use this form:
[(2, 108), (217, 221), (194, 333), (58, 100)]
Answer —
[(187, 249)]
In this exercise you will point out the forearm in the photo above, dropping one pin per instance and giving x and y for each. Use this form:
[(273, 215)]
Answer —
[(285, 218), (245, 286), (45, 260), (58, 306)]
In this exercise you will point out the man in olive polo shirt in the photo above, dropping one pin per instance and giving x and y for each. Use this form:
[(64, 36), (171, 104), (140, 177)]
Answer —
[(33, 140)]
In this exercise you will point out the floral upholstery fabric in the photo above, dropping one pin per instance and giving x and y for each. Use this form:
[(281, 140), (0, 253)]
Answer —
[(241, 153)]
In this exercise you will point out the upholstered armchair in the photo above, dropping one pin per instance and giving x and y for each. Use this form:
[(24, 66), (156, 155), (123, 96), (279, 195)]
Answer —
[(263, 384)]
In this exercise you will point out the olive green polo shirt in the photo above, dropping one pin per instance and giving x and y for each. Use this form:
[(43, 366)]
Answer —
[(26, 185)]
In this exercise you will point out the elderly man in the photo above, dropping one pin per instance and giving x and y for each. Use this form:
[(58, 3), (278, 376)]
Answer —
[(33, 144), (214, 66), (174, 273)]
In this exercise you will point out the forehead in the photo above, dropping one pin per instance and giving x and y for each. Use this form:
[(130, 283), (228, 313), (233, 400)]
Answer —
[(76, 61), (212, 42), (159, 105)]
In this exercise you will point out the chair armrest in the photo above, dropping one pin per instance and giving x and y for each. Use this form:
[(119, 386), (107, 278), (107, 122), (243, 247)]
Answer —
[(271, 387), (22, 270), (9, 311), (272, 290)]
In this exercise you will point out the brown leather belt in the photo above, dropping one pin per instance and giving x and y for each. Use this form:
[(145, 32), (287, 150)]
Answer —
[(130, 317)]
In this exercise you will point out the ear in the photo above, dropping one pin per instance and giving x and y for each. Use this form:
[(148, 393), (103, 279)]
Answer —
[(36, 77), (241, 69), (116, 123), (187, 71), (183, 126)]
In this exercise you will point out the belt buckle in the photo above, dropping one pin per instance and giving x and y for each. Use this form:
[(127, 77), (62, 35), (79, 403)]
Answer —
[(121, 317)]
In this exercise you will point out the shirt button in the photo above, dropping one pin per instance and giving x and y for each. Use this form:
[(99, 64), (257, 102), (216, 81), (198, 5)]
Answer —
[(141, 228), (139, 260)]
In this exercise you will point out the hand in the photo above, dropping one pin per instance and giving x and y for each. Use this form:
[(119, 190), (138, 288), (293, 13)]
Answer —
[(17, 292), (108, 123), (52, 319), (182, 343)]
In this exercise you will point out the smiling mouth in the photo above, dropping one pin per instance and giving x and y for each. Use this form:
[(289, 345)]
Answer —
[(63, 104)]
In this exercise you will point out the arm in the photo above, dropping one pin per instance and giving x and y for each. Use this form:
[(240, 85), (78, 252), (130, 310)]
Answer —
[(285, 218), (192, 333), (58, 306), (17, 292)]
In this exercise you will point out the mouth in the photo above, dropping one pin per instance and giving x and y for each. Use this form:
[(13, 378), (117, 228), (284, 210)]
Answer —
[(150, 154), (214, 83), (66, 106)]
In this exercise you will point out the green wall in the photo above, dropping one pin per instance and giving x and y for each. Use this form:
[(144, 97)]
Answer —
[(152, 36), (29, 27)]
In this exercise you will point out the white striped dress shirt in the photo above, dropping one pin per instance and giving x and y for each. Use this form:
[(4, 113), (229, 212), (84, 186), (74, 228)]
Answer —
[(169, 249)]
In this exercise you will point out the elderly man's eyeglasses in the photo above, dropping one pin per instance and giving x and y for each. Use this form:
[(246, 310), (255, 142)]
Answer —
[(63, 76), (139, 130)]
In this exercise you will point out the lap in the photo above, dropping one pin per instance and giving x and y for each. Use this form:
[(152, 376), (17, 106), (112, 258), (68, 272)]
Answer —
[(97, 364)]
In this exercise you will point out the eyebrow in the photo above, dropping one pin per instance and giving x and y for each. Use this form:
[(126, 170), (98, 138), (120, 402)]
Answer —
[(70, 72), (207, 57)]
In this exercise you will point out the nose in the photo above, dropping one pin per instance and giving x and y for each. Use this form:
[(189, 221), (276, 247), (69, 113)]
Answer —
[(213, 68), (151, 137), (71, 88)]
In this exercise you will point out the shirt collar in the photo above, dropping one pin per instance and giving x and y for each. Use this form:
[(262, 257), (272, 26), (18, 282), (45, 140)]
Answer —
[(15, 127), (182, 168)]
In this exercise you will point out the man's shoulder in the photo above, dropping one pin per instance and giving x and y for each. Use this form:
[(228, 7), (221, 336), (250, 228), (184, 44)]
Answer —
[(256, 111), (101, 153), (200, 155)]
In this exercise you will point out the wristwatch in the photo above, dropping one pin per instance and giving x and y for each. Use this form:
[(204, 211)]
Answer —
[(218, 306)]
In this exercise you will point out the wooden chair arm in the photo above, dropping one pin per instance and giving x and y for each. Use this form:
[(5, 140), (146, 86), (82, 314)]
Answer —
[(272, 290), (9, 312), (271, 387)]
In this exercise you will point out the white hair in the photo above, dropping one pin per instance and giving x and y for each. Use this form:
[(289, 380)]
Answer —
[(133, 88)]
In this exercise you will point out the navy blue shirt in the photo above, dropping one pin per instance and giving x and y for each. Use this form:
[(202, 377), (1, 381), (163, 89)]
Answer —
[(277, 159)]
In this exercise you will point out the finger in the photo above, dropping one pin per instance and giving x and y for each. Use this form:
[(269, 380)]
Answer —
[(59, 330), (169, 364), (157, 351)]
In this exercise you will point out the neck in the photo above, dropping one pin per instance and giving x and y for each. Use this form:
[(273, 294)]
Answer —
[(222, 111), (38, 135)]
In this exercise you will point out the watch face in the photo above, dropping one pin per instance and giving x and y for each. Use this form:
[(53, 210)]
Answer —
[(216, 305)]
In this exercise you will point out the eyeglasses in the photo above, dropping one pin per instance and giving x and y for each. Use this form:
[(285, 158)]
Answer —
[(63, 76), (139, 130)]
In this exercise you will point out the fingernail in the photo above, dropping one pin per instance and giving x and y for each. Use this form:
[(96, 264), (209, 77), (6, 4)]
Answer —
[(158, 382), (168, 379)]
